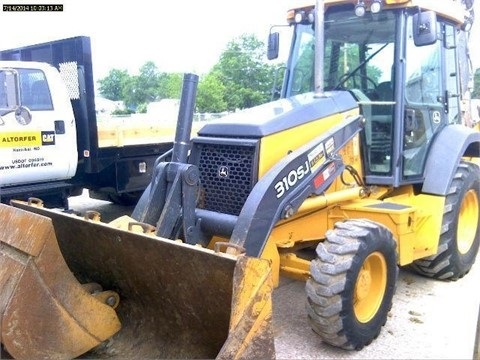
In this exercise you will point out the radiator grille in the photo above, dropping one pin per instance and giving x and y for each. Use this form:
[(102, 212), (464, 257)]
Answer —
[(227, 176)]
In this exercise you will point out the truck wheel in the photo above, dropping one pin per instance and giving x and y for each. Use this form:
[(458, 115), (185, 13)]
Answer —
[(460, 237), (352, 283)]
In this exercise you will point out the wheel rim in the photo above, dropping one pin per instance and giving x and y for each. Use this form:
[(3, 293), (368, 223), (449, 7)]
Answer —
[(467, 222), (370, 287)]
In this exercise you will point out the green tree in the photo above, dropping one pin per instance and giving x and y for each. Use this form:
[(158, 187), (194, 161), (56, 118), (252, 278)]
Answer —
[(147, 82), (111, 87), (240, 79), (142, 88), (210, 94), (170, 86), (476, 85), (129, 92), (151, 85), (244, 73)]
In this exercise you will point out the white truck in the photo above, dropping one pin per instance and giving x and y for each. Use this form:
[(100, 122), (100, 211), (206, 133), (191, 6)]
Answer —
[(51, 145)]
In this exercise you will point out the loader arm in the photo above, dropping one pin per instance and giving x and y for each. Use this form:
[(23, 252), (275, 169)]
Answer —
[(307, 171)]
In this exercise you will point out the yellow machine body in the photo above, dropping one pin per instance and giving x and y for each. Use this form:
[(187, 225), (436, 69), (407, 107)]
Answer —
[(414, 220), (273, 190)]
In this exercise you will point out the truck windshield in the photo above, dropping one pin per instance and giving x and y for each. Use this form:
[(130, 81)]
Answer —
[(24, 87)]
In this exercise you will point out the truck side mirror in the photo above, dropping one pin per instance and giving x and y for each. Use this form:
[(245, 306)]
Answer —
[(273, 45), (23, 115), (424, 28), (10, 89)]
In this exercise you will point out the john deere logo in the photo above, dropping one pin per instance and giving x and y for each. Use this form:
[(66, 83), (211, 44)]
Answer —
[(223, 172)]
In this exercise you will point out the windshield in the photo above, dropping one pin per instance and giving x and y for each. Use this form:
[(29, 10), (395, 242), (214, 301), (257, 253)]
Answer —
[(23, 87), (358, 57), (358, 53)]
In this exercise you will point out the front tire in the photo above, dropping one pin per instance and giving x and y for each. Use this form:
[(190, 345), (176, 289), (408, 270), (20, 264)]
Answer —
[(460, 237), (352, 283)]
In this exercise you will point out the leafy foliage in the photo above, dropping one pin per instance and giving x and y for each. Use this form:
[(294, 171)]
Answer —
[(111, 87), (240, 79), (242, 70), (122, 112), (142, 88), (476, 85), (210, 94)]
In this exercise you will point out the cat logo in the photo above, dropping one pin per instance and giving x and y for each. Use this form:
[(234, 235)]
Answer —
[(48, 137)]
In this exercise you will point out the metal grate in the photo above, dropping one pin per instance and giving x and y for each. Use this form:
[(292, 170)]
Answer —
[(69, 74), (226, 172)]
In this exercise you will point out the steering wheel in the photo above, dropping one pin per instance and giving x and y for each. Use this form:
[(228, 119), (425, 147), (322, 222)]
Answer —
[(356, 80)]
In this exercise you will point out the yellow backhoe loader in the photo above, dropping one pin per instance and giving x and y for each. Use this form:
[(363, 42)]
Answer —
[(365, 163)]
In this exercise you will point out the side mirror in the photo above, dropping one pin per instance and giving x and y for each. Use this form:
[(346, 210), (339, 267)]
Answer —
[(23, 115), (10, 89), (424, 28), (273, 45)]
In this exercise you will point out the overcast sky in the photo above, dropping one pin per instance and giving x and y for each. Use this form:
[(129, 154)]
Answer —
[(179, 36)]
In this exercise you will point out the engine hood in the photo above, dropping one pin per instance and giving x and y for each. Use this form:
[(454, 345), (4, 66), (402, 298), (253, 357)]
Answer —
[(279, 115)]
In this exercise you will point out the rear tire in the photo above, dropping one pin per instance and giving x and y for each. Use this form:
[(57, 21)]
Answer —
[(460, 238), (352, 283)]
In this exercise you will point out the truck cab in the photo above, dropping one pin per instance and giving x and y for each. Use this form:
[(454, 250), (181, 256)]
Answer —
[(37, 125), (53, 146)]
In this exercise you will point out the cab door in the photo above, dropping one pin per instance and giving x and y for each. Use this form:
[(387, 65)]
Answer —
[(431, 95), (37, 127)]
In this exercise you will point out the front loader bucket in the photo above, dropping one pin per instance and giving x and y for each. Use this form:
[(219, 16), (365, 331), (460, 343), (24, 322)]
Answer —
[(44, 311), (176, 300)]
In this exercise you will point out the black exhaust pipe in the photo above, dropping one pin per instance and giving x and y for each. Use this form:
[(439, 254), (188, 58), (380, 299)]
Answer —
[(166, 189), (181, 145)]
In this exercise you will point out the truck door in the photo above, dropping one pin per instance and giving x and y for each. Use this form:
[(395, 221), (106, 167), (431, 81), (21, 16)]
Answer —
[(37, 127)]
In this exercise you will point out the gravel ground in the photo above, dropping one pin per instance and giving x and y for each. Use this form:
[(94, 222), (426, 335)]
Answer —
[(429, 319)]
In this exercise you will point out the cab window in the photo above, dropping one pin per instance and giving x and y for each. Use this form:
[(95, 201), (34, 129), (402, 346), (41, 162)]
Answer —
[(34, 90)]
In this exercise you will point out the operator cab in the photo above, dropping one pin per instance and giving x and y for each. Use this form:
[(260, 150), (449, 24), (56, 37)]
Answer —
[(399, 80)]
